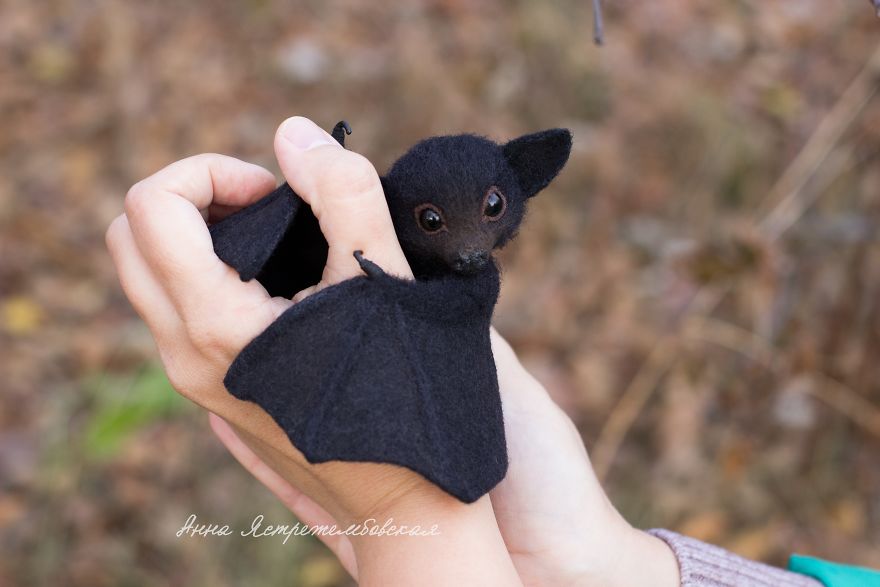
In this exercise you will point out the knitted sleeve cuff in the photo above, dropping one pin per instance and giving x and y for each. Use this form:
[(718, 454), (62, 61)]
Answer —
[(704, 565)]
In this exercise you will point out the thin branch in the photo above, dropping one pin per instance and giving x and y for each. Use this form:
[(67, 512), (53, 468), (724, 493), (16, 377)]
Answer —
[(848, 402), (788, 191), (598, 26), (659, 362)]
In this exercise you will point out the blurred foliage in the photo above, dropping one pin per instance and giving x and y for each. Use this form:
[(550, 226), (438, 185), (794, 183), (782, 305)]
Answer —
[(124, 405), (724, 375)]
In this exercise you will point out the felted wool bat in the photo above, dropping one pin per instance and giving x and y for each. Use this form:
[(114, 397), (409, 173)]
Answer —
[(384, 369)]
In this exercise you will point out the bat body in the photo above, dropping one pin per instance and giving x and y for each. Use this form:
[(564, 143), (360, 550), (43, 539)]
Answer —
[(379, 368)]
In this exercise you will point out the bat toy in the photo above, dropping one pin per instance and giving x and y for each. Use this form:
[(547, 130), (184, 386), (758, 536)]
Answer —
[(384, 369)]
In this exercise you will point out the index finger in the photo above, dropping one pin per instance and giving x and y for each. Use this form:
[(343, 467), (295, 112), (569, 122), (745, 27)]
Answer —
[(165, 214)]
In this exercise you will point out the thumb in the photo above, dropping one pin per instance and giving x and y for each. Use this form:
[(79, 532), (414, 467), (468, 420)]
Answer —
[(345, 194)]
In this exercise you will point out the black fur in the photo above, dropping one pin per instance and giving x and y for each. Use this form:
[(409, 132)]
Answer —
[(382, 369)]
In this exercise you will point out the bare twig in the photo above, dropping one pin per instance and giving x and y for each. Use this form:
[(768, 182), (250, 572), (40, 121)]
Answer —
[(598, 27), (848, 402), (788, 191), (660, 361), (733, 337)]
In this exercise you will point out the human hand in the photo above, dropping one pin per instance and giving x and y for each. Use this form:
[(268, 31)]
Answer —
[(202, 315), (559, 526)]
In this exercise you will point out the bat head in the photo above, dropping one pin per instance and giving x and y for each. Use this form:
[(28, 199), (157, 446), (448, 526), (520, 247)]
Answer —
[(455, 199)]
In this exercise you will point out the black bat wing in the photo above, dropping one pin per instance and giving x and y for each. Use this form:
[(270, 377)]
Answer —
[(276, 241), (385, 370)]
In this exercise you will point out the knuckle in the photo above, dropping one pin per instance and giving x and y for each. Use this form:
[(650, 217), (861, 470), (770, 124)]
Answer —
[(178, 376), (178, 380), (189, 375), (185, 382), (204, 159), (114, 232), (360, 175), (137, 200), (208, 341), (201, 336)]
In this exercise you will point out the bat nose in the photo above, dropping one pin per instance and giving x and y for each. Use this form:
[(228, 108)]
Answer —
[(470, 261)]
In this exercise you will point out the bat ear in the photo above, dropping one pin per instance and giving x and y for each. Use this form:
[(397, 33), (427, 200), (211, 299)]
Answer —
[(537, 158)]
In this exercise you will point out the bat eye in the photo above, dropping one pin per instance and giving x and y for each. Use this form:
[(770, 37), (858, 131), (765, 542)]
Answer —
[(430, 219), (494, 204)]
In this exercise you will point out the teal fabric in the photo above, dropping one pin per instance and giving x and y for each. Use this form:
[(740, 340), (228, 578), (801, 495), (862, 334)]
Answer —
[(833, 574)]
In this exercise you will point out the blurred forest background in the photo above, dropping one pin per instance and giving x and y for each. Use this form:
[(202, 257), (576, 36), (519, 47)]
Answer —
[(700, 289)]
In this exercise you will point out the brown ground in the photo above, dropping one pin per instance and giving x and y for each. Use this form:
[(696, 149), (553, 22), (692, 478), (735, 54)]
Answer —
[(700, 289)]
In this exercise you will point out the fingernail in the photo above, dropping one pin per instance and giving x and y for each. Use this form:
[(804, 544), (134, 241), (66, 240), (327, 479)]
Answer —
[(304, 134)]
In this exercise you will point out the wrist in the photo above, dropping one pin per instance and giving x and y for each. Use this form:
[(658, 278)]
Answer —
[(422, 541), (643, 559), (618, 556)]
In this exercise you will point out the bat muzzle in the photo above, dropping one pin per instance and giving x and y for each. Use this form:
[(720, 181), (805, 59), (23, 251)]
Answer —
[(470, 262)]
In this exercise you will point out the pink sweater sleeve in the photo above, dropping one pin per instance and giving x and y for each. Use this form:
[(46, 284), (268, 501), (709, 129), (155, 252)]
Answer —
[(704, 565)]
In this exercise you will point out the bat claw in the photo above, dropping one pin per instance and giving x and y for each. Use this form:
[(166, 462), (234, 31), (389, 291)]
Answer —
[(367, 266), (339, 131)]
